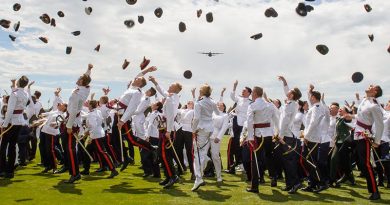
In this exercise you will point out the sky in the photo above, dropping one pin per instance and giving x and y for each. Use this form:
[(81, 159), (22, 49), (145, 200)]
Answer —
[(287, 47)]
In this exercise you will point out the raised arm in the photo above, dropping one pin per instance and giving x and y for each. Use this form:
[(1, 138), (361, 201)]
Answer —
[(221, 97), (233, 93), (158, 88), (285, 85)]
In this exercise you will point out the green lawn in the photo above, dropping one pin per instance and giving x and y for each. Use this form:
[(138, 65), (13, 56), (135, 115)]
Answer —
[(31, 187)]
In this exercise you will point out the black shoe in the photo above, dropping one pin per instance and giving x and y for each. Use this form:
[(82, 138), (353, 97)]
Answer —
[(294, 189), (61, 170), (172, 181), (381, 184), (125, 164), (146, 175), (286, 188), (102, 169), (307, 189), (351, 179), (158, 176), (192, 176), (46, 170), (274, 183), (252, 190), (113, 174), (321, 188), (23, 164), (164, 182), (72, 179), (261, 180), (84, 172), (342, 179), (375, 196), (230, 171), (9, 175)]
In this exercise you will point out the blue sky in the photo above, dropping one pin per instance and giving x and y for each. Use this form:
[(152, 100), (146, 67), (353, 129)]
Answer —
[(287, 47)]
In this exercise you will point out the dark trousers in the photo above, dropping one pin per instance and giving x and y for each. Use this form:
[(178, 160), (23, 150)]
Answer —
[(166, 155), (64, 140), (311, 154), (102, 153), (50, 151), (149, 166), (7, 158), (234, 150), (246, 161), (73, 162), (22, 152), (268, 157), (256, 164), (110, 148), (340, 162), (184, 139), (323, 159), (32, 146), (115, 139), (42, 148), (91, 148), (383, 151), (290, 161), (363, 149)]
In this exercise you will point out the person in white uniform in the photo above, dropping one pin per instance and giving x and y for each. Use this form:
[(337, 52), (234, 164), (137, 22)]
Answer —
[(202, 126)]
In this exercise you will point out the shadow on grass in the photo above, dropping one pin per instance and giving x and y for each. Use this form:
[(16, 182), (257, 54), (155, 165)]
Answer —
[(6, 182), (124, 187), (23, 200), (67, 188), (212, 195), (173, 191), (39, 174)]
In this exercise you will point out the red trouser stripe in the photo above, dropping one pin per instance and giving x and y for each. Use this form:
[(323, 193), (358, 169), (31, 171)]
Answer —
[(251, 160), (70, 136), (101, 152), (368, 165), (165, 157), (301, 162), (228, 153), (100, 161), (112, 152), (130, 137), (53, 152)]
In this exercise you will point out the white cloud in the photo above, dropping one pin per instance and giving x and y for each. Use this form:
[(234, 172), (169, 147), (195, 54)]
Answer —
[(287, 47)]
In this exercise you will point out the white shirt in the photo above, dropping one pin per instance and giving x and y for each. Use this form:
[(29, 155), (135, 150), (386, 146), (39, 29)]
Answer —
[(369, 113), (57, 100), (105, 111), (288, 113), (316, 123), (151, 124), (332, 130), (260, 112), (139, 117), (221, 124), (297, 124), (170, 107), (386, 129), (51, 127), (203, 114), (186, 116), (94, 124), (241, 108), (131, 98), (75, 105), (17, 101)]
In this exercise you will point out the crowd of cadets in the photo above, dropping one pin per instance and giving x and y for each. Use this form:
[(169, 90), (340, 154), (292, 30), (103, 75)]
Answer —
[(306, 140)]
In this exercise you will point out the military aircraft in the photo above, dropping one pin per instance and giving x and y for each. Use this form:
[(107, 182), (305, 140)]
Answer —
[(210, 54)]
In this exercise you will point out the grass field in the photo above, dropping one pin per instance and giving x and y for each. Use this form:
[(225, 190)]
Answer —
[(31, 187)]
